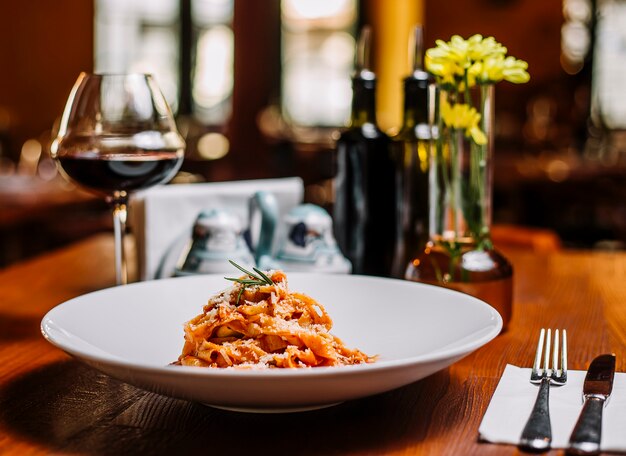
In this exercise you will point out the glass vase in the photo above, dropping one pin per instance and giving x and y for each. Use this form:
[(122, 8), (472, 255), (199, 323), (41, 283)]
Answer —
[(460, 254)]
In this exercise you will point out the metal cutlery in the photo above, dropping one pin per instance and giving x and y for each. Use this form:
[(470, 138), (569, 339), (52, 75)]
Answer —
[(537, 434), (587, 433)]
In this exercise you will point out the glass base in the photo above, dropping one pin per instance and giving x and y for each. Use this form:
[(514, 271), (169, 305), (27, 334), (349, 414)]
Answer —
[(483, 273)]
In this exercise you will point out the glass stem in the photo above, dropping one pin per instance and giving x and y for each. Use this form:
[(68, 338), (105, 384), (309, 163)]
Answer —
[(119, 204)]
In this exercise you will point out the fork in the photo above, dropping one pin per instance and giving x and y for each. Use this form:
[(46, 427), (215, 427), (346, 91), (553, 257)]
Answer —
[(537, 434)]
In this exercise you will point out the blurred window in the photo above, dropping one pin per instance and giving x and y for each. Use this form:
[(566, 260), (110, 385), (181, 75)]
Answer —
[(575, 34), (145, 36), (213, 51), (317, 60), (609, 65), (139, 36)]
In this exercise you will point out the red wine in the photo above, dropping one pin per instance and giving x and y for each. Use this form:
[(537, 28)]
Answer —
[(108, 173)]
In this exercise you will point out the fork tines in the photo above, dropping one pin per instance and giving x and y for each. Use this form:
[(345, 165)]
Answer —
[(558, 369), (559, 364), (538, 371)]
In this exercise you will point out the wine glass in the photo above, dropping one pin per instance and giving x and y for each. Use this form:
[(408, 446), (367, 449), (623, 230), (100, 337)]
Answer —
[(117, 135)]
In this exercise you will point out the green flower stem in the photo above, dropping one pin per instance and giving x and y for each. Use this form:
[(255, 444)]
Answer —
[(468, 95), (483, 235), (441, 137), (455, 172), (474, 215), (454, 191)]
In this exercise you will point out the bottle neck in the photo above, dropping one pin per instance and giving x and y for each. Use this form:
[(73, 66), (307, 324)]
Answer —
[(415, 102), (363, 102)]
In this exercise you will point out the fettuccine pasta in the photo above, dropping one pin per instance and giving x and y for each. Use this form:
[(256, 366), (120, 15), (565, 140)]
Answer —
[(264, 326)]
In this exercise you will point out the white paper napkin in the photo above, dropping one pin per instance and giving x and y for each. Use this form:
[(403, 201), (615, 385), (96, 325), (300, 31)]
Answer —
[(162, 217), (515, 396)]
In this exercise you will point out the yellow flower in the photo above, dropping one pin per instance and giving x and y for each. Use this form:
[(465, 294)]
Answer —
[(514, 70), (462, 116), (443, 69), (481, 49), (463, 53), (448, 61), (495, 69), (454, 52), (483, 60), (488, 71)]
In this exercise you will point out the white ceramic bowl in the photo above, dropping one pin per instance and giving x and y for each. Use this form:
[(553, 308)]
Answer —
[(133, 332)]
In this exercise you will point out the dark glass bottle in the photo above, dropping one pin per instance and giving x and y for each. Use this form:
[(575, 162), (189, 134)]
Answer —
[(364, 210), (411, 152)]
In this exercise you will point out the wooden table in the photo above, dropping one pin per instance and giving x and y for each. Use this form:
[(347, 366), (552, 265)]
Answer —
[(50, 403), (36, 215)]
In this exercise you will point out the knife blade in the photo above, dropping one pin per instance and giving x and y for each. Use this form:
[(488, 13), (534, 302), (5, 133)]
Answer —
[(587, 433)]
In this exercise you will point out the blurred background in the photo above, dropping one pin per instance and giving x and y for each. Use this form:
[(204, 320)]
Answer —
[(261, 89)]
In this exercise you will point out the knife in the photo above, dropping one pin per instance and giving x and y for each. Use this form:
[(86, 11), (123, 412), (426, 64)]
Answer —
[(586, 436)]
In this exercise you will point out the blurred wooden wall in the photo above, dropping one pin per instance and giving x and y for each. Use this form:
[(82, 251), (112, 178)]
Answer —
[(44, 45), (530, 29)]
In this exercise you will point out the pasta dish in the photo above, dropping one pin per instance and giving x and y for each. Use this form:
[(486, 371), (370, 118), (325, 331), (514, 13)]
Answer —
[(259, 323)]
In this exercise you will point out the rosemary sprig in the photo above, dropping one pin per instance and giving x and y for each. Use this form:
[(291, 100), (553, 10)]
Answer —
[(257, 278)]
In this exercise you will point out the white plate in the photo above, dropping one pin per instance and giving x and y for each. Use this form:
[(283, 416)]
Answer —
[(133, 332)]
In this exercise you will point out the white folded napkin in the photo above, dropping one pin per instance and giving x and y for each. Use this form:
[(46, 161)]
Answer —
[(162, 217), (515, 396)]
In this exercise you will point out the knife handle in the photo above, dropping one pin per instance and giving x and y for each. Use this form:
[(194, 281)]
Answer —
[(587, 433), (537, 434)]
